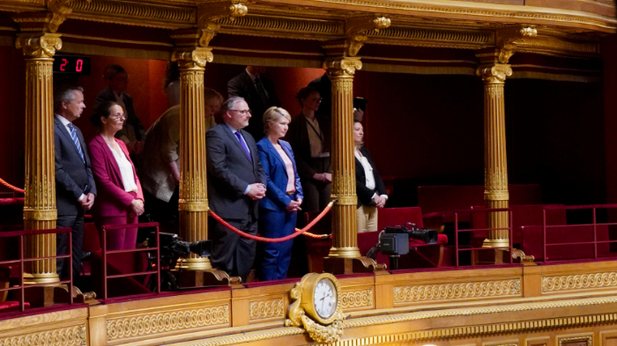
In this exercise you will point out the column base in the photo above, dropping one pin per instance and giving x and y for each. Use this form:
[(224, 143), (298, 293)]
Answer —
[(40, 278), (360, 264), (197, 264), (503, 243), (211, 277), (345, 252)]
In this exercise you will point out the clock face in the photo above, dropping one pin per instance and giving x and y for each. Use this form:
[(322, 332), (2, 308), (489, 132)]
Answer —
[(324, 298)]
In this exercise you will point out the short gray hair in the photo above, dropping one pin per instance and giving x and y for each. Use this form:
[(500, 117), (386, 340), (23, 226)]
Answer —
[(65, 94), (230, 103)]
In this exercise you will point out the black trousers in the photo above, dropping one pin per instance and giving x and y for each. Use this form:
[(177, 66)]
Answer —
[(231, 252), (76, 223)]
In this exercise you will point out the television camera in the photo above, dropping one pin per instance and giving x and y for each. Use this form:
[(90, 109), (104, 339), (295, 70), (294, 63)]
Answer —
[(394, 241)]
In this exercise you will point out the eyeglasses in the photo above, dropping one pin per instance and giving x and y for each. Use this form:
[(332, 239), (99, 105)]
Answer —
[(115, 116), (243, 112)]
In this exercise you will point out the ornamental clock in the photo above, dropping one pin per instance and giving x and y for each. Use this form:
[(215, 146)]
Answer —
[(317, 307)]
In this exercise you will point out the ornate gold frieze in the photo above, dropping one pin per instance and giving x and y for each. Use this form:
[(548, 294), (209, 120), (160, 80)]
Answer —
[(260, 310), (483, 10), (406, 35), (487, 289), (150, 324), (70, 336), (439, 333), (134, 13), (286, 25), (551, 284), (357, 299)]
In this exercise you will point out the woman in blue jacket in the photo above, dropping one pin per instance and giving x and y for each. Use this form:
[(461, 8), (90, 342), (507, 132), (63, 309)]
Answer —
[(278, 210)]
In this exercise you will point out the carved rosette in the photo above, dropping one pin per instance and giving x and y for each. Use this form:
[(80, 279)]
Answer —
[(193, 202), (40, 189), (344, 222)]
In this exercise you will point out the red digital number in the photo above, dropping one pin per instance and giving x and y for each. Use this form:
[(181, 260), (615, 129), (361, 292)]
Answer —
[(63, 65), (80, 65)]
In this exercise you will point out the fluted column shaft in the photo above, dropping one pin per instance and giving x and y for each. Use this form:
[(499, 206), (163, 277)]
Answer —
[(193, 203), (40, 180), (344, 222), (495, 160)]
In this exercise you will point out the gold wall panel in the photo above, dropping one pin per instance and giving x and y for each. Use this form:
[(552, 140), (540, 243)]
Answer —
[(552, 284), (266, 309), (69, 336), (585, 339), (458, 291), (148, 324), (538, 341), (357, 299), (608, 338)]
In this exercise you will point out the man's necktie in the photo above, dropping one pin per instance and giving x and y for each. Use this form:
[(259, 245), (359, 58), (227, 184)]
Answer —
[(261, 90), (248, 153), (76, 142)]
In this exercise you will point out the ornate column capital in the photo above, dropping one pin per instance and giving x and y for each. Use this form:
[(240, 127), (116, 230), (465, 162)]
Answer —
[(188, 58), (342, 66), (39, 45), (209, 12), (495, 74)]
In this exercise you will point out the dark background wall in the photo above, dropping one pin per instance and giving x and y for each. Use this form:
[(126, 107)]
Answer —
[(420, 129)]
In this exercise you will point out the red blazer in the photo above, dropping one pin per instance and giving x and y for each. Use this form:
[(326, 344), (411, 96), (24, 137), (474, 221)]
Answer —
[(111, 199)]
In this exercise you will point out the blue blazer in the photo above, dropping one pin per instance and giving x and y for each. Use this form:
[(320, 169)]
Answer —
[(276, 198)]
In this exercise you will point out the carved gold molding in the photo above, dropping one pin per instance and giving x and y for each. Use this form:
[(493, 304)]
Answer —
[(575, 339), (260, 310), (496, 13), (296, 28), (488, 289), (150, 324), (134, 13), (551, 284), (70, 336), (439, 333), (357, 299)]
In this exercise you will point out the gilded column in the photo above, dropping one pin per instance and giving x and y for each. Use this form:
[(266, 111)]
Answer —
[(344, 222), (495, 162), (193, 203), (40, 180)]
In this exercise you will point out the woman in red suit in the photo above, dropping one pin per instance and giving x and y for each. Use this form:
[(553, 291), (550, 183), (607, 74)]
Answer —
[(120, 199)]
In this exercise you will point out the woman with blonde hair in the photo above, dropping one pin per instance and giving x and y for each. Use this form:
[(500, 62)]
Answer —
[(278, 210)]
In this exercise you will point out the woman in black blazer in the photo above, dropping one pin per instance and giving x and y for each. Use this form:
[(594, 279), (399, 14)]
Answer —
[(369, 186)]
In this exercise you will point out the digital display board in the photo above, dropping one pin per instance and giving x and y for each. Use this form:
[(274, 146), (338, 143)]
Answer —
[(72, 64)]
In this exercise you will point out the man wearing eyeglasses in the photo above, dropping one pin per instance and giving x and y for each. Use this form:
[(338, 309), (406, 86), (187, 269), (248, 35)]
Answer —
[(236, 182)]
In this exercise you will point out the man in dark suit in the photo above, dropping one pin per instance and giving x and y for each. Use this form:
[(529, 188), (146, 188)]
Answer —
[(133, 132), (258, 91), (236, 181), (75, 189)]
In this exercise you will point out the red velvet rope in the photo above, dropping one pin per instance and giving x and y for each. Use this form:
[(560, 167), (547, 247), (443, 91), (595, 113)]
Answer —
[(246, 235), (282, 239), (14, 188)]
